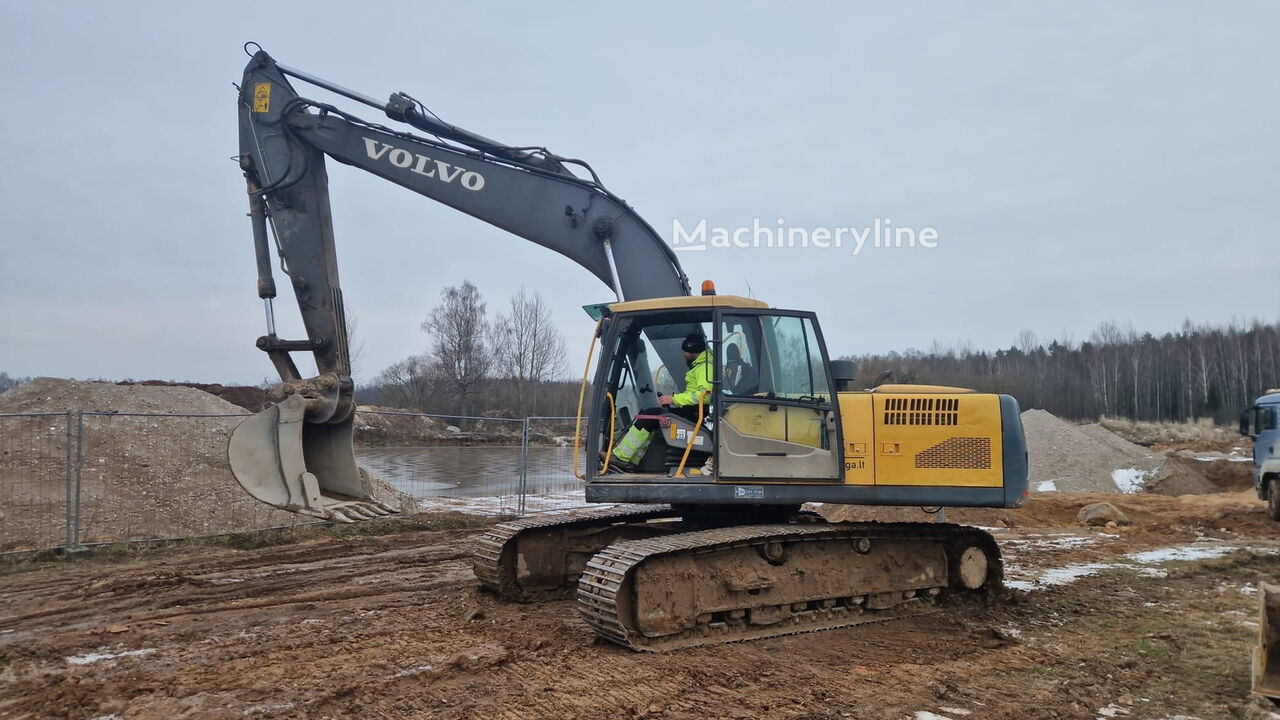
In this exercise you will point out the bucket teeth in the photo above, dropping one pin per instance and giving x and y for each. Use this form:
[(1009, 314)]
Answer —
[(352, 511), (344, 515)]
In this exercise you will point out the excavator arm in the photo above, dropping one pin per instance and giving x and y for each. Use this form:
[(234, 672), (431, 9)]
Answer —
[(297, 455)]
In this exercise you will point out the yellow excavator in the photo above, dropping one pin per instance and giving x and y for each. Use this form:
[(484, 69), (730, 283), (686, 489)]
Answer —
[(705, 537)]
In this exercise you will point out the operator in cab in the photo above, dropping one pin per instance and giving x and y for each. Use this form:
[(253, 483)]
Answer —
[(697, 384)]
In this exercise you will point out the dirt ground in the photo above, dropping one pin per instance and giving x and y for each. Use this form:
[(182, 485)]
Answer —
[(393, 625)]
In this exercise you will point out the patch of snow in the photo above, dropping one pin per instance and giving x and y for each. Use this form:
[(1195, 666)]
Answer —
[(267, 708), (1012, 631), (1066, 574), (1111, 711), (1129, 480), (89, 658), (926, 715), (414, 670), (956, 711), (1069, 574), (1248, 590), (1180, 553), (1047, 486)]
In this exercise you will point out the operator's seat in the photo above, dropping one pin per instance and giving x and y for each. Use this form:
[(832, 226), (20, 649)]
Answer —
[(740, 378)]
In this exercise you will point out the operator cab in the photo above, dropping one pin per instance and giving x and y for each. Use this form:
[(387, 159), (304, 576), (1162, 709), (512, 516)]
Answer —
[(771, 414)]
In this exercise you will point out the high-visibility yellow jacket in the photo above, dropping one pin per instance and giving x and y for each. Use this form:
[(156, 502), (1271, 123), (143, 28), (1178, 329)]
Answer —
[(696, 381)]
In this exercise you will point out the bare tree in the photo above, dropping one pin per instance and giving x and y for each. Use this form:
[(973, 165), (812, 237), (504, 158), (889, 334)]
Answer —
[(1196, 371), (8, 383), (407, 383), (460, 352), (1027, 341), (528, 347), (355, 343)]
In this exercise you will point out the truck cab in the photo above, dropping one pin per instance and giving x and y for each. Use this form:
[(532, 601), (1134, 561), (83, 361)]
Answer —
[(1259, 422)]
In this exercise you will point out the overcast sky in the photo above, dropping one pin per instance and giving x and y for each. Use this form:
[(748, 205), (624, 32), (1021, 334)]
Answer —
[(1079, 161)]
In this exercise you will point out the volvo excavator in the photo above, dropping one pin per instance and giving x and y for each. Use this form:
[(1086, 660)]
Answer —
[(703, 538)]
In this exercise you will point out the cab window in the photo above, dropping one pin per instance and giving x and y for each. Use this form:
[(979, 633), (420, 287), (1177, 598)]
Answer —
[(772, 356)]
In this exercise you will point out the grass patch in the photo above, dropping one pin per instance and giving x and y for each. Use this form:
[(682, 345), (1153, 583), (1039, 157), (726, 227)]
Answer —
[(1142, 432), (1149, 649)]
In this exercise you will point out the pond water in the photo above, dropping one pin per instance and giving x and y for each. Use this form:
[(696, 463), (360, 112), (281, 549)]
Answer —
[(471, 472)]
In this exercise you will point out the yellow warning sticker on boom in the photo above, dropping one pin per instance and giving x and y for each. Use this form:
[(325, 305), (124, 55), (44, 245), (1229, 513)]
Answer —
[(262, 97)]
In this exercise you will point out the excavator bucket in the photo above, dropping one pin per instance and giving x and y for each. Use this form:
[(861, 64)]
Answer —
[(1266, 656), (302, 467)]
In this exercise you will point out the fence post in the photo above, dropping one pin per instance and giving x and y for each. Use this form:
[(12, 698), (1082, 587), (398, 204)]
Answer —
[(79, 465), (524, 465), (70, 534)]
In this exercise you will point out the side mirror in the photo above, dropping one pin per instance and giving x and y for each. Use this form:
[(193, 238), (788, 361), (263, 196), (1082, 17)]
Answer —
[(1247, 422), (1265, 419)]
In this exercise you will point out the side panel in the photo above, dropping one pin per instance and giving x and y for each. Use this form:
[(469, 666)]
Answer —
[(995, 415), (859, 438), (938, 440)]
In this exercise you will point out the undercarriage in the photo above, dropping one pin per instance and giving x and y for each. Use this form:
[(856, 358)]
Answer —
[(665, 578)]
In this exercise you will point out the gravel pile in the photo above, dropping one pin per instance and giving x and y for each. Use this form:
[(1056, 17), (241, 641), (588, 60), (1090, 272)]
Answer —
[(1090, 458), (151, 476)]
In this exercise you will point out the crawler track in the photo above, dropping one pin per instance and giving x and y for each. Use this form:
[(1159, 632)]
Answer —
[(534, 559), (679, 590)]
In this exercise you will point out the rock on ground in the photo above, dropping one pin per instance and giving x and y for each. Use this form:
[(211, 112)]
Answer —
[(1101, 513)]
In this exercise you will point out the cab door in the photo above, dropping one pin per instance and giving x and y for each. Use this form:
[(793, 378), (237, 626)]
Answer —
[(776, 418)]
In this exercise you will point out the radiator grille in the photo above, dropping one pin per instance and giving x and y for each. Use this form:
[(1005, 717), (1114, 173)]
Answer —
[(957, 453), (921, 411)]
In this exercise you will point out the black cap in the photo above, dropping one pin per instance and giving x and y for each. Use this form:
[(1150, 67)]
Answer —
[(694, 343)]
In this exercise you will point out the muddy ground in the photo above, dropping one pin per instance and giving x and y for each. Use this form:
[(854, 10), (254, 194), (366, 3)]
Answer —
[(394, 626)]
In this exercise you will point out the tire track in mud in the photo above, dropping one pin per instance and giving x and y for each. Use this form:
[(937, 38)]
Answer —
[(395, 627)]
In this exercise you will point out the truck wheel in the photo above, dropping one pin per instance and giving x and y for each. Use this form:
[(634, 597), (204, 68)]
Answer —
[(1273, 498)]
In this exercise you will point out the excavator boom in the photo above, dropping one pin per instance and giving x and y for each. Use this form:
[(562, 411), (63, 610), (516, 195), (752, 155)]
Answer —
[(297, 455)]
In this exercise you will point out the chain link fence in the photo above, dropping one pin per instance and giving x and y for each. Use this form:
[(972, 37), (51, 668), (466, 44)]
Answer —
[(36, 480), (72, 479)]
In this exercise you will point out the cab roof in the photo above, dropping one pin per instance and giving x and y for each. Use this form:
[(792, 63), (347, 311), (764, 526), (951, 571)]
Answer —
[(688, 301)]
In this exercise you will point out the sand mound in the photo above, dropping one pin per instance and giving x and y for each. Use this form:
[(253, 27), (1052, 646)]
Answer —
[(1091, 458), (47, 394), (147, 476), (253, 399)]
